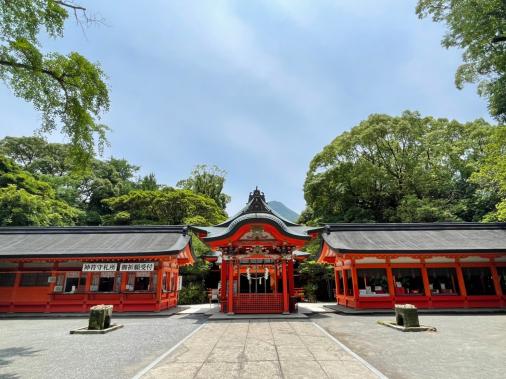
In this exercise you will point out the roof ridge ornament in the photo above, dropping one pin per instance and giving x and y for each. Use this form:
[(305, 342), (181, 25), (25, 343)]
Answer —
[(256, 202)]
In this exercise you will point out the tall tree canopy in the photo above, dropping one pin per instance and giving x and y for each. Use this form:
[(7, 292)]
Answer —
[(492, 173), (68, 90), (26, 201), (209, 181), (400, 169), (110, 192), (478, 27), (166, 206)]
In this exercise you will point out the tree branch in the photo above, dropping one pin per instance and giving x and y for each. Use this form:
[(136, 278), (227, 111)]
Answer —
[(59, 79), (72, 6), (499, 38)]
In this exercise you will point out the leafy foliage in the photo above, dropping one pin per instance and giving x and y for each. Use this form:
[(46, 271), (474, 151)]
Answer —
[(25, 200), (491, 176), (207, 181), (400, 169), (110, 192), (193, 293), (68, 90), (478, 27), (166, 206)]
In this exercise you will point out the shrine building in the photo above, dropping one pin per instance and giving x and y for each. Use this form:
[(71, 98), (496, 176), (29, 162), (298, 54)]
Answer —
[(70, 269), (430, 265), (256, 250)]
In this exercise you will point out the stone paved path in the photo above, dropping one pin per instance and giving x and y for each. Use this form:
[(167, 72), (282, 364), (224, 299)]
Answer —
[(260, 349)]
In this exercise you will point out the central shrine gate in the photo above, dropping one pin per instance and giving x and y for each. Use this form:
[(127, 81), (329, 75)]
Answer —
[(256, 250)]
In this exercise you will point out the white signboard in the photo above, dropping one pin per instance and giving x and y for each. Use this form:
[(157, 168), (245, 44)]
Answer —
[(139, 266), (94, 267)]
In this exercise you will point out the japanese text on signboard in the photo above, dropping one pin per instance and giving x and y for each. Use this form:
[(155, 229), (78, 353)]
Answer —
[(140, 266), (87, 267)]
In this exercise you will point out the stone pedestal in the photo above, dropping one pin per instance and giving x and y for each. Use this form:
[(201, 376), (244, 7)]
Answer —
[(406, 315), (100, 317)]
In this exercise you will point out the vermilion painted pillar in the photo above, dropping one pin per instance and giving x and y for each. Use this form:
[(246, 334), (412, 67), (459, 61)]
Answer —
[(460, 279), (223, 289), (390, 281), (159, 284), (496, 280), (230, 299), (276, 273), (17, 281), (354, 282), (224, 283), (338, 284), (291, 282), (286, 308), (345, 286), (426, 285)]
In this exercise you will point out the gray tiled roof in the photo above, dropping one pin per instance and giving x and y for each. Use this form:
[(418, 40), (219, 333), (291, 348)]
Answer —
[(219, 231), (428, 237), (256, 210), (92, 241)]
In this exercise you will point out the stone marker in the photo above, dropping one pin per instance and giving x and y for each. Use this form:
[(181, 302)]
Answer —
[(406, 315), (100, 317)]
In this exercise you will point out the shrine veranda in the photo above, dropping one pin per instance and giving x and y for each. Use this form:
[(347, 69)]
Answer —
[(257, 251)]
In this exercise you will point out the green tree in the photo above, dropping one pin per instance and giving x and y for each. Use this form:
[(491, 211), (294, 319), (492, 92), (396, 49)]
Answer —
[(492, 173), (478, 27), (148, 183), (400, 169), (207, 181), (38, 156), (107, 179), (52, 163), (68, 90), (166, 206), (25, 200)]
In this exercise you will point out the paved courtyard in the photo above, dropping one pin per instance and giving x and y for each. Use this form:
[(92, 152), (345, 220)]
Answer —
[(260, 349), (43, 348), (464, 346), (164, 347)]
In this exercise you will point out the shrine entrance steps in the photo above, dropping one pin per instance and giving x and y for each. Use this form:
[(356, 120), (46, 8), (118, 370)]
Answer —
[(257, 316)]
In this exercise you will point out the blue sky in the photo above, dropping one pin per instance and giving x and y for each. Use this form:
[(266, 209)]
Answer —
[(255, 87)]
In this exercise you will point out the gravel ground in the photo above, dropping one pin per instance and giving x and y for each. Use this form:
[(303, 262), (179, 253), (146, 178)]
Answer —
[(464, 346), (43, 348)]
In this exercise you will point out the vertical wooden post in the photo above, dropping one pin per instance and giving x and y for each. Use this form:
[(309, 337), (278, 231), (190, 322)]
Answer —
[(230, 299), (17, 281), (159, 280), (390, 281), (223, 289), (87, 286), (354, 278), (426, 285), (275, 277), (496, 280), (345, 286), (54, 273), (291, 280), (286, 308), (462, 283), (338, 284)]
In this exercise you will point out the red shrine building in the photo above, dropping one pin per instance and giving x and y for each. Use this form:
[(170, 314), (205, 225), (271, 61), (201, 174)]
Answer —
[(134, 268), (256, 250), (437, 265)]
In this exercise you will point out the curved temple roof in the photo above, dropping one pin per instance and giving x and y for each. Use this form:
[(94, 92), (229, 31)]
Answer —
[(422, 237), (256, 210), (92, 241)]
